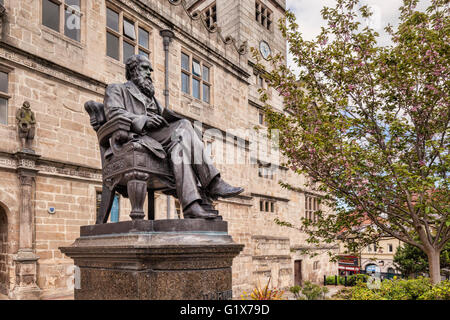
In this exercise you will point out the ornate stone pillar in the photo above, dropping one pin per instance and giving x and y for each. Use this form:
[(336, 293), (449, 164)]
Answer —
[(26, 259)]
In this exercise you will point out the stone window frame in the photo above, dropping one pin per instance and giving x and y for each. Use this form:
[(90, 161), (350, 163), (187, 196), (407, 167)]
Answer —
[(62, 19), (260, 81), (312, 205), (263, 15), (210, 15), (261, 118), (390, 247), (210, 148), (316, 265), (120, 34), (6, 95), (266, 206), (266, 172), (191, 76)]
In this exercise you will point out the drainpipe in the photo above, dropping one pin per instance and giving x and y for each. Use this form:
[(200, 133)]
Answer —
[(167, 38)]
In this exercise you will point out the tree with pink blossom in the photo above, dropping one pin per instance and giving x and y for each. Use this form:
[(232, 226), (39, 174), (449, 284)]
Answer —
[(369, 124)]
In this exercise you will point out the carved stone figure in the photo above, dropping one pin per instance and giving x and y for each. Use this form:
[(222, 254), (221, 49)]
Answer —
[(132, 124), (26, 125)]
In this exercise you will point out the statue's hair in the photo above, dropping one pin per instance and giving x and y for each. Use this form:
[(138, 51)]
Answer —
[(132, 63)]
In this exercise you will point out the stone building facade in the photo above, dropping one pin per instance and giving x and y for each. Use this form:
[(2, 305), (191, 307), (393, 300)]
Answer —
[(379, 257), (58, 54)]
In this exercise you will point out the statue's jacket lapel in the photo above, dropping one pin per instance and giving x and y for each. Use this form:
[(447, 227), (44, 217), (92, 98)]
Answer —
[(126, 100)]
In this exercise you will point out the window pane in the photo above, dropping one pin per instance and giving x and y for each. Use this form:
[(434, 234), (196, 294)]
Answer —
[(196, 88), (205, 73), (272, 207), (185, 62), (143, 38), (261, 206), (112, 19), (112, 44), (3, 111), (145, 54), (50, 14), (196, 68), (128, 29), (72, 25), (185, 82), (206, 93), (128, 51), (73, 3), (267, 206), (4, 82), (115, 210)]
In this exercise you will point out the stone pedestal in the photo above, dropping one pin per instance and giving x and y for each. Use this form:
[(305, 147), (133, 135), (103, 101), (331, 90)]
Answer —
[(26, 276), (154, 260)]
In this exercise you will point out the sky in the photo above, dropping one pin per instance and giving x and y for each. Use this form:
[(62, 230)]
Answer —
[(310, 19)]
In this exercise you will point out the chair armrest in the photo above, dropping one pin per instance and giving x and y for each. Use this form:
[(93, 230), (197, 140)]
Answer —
[(120, 127)]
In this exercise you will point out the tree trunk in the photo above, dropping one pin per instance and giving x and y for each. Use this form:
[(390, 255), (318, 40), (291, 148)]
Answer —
[(434, 264)]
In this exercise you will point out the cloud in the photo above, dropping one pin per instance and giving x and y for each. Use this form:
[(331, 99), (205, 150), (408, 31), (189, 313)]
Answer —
[(310, 19)]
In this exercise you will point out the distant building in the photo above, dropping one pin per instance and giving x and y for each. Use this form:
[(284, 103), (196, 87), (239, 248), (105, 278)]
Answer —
[(58, 54), (380, 257), (375, 258)]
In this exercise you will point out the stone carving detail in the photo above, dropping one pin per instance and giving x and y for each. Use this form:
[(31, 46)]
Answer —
[(26, 123), (8, 163), (242, 49), (26, 180), (26, 163)]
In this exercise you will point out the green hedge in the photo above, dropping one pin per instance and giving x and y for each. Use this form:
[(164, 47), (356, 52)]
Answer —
[(351, 280), (399, 289)]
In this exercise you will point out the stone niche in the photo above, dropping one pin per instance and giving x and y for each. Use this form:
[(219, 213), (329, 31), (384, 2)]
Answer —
[(154, 260)]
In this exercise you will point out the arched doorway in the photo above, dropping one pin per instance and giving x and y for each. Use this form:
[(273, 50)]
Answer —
[(3, 252)]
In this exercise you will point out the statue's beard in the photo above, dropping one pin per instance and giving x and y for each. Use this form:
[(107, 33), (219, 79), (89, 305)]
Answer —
[(145, 85)]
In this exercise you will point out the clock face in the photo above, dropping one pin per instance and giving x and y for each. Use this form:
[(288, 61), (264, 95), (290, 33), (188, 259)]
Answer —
[(264, 49)]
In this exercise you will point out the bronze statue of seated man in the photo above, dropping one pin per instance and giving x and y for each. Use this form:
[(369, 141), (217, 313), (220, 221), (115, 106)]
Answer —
[(168, 136)]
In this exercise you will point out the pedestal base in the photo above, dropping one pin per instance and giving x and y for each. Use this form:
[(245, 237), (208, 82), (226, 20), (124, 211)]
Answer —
[(26, 277), (154, 260)]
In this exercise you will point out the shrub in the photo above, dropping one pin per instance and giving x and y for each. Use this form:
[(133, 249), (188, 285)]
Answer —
[(351, 280), (330, 280), (413, 289), (343, 294), (309, 291), (296, 291), (313, 291), (361, 292), (440, 291)]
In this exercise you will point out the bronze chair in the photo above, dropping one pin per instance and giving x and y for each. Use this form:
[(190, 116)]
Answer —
[(129, 169)]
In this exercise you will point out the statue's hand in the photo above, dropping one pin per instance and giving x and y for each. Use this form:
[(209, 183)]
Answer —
[(155, 121)]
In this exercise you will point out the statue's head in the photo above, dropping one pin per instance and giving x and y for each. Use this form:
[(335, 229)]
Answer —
[(26, 105), (138, 70)]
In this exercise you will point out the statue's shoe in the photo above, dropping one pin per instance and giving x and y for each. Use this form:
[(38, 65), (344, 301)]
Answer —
[(195, 211), (220, 188)]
